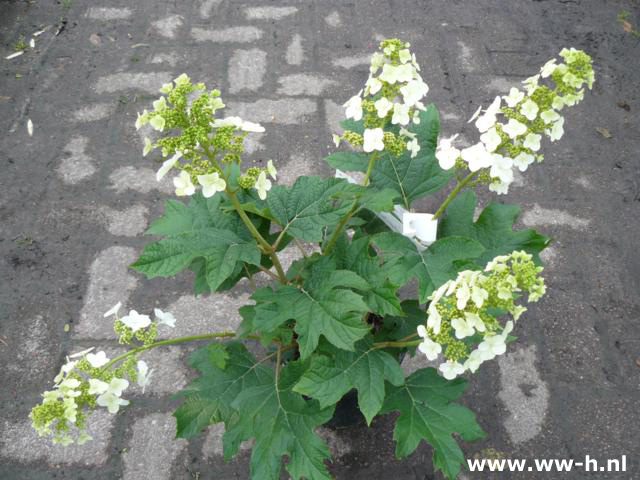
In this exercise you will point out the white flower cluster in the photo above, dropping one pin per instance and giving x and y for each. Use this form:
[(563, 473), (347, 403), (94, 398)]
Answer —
[(85, 380), (530, 113), (210, 180), (459, 312), (395, 92)]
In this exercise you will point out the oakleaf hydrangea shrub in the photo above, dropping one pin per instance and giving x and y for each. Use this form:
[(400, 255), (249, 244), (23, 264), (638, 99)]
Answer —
[(333, 322)]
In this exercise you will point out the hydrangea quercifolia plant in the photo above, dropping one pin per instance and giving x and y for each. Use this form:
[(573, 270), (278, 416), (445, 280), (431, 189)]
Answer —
[(333, 322)]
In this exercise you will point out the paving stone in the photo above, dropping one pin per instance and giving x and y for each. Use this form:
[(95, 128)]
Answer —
[(19, 441), (129, 222), (303, 84), (205, 314), (334, 114), (411, 364), (168, 26), (352, 61), (212, 446), (539, 216), (32, 352), (524, 394), (148, 82), (333, 19), (338, 446), (269, 13), (227, 35), (285, 111), (207, 6), (170, 58), (295, 51), (299, 164), (253, 143), (153, 448), (110, 282), (100, 13), (76, 165), (92, 113), (247, 69), (501, 85), (141, 180)]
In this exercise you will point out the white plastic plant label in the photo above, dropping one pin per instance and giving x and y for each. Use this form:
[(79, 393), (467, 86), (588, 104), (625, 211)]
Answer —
[(420, 225)]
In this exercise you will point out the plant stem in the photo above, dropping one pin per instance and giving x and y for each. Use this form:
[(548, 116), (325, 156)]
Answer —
[(454, 193), (172, 341), (278, 355), (266, 247), (300, 247), (397, 344), (352, 210), (269, 272)]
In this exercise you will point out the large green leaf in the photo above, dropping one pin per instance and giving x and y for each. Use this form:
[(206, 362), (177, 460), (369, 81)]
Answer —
[(359, 257), (282, 423), (493, 229), (349, 161), (220, 249), (331, 376), (427, 412), (306, 208), (204, 237), (324, 305), (414, 177), (208, 398), (434, 266)]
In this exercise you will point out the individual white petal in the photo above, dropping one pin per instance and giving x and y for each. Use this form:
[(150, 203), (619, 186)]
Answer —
[(446, 153), (475, 114), (354, 108), (514, 128), (164, 318), (414, 91), (30, 127), (515, 96), (557, 130), (383, 106), (113, 310), (434, 320), (373, 139), (136, 321), (462, 328), (491, 139), (262, 185), (549, 116), (532, 141), (404, 73), (97, 360), (184, 185), (148, 146), (413, 147), (477, 157), (523, 160), (167, 165), (529, 109), (400, 114), (404, 55), (389, 73), (82, 353), (548, 68), (157, 122), (271, 170), (501, 167), (14, 55), (430, 348), (451, 369), (373, 85), (97, 387), (252, 127), (211, 183), (422, 331)]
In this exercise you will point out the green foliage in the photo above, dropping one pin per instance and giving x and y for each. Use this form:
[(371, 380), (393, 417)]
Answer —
[(201, 236), (411, 178), (324, 305), (432, 267), (493, 229), (334, 372), (306, 208), (427, 412)]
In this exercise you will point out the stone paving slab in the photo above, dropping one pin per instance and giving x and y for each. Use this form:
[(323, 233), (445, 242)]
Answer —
[(76, 197)]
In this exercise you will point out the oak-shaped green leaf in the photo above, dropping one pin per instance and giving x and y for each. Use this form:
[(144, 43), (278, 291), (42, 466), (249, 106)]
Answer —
[(434, 266), (428, 412), (324, 305), (208, 398), (493, 229), (220, 249), (308, 206), (282, 423), (331, 376)]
